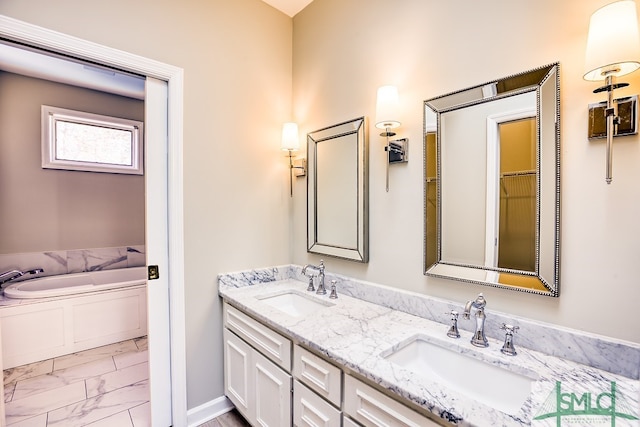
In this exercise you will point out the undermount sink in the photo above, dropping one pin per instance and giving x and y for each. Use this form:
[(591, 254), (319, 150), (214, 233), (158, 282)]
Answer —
[(492, 385), (294, 304)]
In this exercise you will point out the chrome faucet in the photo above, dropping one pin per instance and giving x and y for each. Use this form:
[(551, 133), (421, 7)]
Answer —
[(320, 269), (7, 276), (478, 339)]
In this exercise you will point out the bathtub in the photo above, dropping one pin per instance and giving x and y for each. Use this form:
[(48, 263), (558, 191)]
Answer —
[(77, 283), (59, 315)]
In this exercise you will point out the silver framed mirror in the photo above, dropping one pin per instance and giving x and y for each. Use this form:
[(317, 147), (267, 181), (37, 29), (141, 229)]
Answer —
[(338, 191), (492, 183)]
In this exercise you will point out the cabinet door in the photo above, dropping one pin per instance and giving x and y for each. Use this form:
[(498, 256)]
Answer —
[(310, 410), (373, 409), (272, 393), (238, 373)]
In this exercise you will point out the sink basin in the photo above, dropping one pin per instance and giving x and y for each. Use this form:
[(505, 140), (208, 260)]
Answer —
[(294, 304), (494, 386)]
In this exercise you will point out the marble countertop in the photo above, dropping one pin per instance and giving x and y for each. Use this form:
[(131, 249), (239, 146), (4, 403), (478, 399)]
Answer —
[(358, 334)]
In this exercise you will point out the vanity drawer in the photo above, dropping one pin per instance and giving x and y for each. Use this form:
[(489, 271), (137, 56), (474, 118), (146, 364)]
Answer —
[(373, 409), (310, 410), (346, 422), (318, 374), (273, 345)]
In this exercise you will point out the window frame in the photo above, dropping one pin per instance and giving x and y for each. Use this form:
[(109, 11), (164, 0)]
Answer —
[(51, 115)]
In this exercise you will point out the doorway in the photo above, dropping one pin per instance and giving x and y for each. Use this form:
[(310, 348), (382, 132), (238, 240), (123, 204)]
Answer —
[(164, 218)]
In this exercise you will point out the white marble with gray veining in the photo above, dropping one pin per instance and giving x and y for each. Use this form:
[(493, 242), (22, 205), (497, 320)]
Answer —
[(69, 262), (103, 386), (368, 321), (76, 261)]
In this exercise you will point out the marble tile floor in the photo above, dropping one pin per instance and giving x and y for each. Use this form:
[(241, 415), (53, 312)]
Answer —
[(102, 387)]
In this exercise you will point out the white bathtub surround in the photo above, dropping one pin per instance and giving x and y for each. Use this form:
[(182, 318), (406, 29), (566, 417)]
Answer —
[(136, 256), (357, 334), (76, 261), (53, 262), (107, 385), (96, 259), (40, 329)]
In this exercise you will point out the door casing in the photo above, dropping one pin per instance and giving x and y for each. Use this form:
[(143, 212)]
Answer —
[(38, 37)]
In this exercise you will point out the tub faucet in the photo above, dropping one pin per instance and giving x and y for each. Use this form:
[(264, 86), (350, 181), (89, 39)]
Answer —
[(478, 339), (320, 269), (7, 276)]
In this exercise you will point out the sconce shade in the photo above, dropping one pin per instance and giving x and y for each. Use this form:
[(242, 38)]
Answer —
[(613, 43), (290, 140), (387, 108)]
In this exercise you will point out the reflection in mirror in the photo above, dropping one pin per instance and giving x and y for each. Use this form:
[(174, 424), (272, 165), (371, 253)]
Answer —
[(516, 234), (337, 191), (492, 190)]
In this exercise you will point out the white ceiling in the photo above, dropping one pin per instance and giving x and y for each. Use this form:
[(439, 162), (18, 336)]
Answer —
[(290, 7)]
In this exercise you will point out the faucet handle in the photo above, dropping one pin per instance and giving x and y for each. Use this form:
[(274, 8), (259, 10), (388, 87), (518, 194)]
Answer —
[(311, 288), (454, 314), (453, 330), (508, 347), (334, 293), (510, 329)]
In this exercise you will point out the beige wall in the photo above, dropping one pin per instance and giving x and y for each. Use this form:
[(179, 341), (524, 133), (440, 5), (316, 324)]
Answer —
[(236, 57), (344, 50), (46, 209)]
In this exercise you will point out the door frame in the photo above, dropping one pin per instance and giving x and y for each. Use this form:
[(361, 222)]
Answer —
[(32, 35)]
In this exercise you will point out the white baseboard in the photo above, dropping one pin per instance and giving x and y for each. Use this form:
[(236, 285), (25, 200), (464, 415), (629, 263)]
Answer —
[(208, 411)]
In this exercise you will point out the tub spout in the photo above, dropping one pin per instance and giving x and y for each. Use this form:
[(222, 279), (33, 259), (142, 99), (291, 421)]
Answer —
[(10, 275)]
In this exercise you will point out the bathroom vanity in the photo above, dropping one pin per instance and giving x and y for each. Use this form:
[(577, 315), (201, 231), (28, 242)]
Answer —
[(254, 383), (377, 356)]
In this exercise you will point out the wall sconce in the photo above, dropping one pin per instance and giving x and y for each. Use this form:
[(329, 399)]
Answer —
[(291, 143), (387, 119), (613, 49)]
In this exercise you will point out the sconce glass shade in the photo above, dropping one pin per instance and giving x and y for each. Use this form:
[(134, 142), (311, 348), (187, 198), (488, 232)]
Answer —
[(387, 108), (290, 140), (613, 43)]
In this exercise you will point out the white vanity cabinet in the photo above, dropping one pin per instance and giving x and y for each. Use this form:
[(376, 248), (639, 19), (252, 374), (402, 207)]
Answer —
[(258, 386), (274, 383), (372, 408)]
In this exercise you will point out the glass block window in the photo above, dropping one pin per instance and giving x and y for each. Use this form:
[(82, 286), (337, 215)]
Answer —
[(76, 140)]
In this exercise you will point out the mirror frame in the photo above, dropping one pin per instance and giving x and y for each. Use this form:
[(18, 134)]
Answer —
[(547, 276), (360, 251)]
